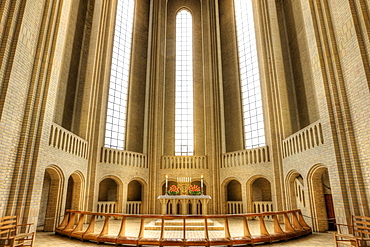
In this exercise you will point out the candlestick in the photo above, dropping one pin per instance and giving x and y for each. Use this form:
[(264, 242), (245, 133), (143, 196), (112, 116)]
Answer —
[(166, 184), (201, 183)]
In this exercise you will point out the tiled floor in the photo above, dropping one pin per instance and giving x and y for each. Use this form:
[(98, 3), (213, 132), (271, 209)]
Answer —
[(49, 239)]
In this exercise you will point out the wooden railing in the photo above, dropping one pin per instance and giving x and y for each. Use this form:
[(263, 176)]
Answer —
[(285, 225), (184, 162), (66, 141), (305, 139), (133, 207), (123, 157), (246, 157), (235, 207)]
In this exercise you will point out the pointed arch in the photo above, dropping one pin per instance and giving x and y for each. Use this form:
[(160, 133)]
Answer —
[(51, 206), (317, 198), (290, 190), (75, 191)]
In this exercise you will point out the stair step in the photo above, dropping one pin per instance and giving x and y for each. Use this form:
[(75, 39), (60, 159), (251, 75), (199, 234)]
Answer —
[(180, 228), (191, 225), (189, 222)]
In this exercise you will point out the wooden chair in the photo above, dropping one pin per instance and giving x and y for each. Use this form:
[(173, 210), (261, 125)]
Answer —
[(358, 232), (14, 234)]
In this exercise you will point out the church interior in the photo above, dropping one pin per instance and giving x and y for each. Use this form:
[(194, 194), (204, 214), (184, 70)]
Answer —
[(257, 105)]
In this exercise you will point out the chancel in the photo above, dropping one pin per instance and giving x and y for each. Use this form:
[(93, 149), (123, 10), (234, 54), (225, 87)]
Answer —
[(182, 109)]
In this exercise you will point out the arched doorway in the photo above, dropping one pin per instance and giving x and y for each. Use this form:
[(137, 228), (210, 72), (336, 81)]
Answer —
[(234, 197), (134, 197), (108, 196), (261, 195), (74, 191), (320, 196), (296, 191), (51, 199)]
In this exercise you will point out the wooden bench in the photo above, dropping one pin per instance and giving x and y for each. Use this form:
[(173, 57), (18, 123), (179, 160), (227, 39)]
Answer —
[(357, 233), (178, 230), (14, 234)]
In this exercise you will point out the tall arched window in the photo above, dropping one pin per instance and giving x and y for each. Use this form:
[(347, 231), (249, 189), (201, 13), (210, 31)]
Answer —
[(184, 129), (254, 130), (117, 99)]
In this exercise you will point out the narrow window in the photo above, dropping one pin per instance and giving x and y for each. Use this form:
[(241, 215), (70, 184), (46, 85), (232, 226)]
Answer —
[(184, 130), (118, 89), (254, 130)]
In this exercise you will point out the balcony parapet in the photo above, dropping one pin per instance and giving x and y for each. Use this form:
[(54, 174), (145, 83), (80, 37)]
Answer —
[(246, 157), (123, 157), (305, 139), (184, 162), (66, 141)]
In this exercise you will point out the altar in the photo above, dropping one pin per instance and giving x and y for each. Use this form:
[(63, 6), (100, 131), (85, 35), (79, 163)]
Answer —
[(184, 198)]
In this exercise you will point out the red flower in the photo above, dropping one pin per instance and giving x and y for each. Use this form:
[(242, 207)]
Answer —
[(194, 188), (173, 189)]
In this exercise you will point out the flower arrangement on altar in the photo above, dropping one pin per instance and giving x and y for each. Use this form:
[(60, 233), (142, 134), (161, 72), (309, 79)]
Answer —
[(194, 190), (173, 190)]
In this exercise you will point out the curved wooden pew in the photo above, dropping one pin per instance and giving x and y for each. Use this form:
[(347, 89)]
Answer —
[(63, 224), (150, 240), (285, 225), (246, 238), (79, 231), (123, 238), (224, 239)]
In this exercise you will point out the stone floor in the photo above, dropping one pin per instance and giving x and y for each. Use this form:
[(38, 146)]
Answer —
[(49, 239)]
